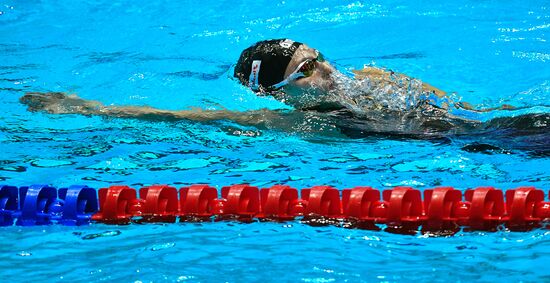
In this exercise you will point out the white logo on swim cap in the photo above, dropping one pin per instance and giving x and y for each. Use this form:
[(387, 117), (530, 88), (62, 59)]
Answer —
[(254, 74), (287, 43)]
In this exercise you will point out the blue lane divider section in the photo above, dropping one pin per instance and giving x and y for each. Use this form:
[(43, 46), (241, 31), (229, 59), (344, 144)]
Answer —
[(8, 204), (37, 204), (80, 203), (44, 205)]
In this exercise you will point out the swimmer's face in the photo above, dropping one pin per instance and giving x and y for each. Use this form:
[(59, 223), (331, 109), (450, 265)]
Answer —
[(318, 81)]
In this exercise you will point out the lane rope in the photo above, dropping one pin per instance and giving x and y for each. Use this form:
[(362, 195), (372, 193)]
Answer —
[(400, 208)]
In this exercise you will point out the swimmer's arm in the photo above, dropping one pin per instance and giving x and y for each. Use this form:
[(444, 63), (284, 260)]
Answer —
[(246, 118), (389, 77), (60, 103)]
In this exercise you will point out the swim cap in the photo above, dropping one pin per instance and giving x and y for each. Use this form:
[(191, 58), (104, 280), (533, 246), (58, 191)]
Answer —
[(264, 64)]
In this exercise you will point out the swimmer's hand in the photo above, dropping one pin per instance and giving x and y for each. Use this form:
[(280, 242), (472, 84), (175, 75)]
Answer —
[(59, 103)]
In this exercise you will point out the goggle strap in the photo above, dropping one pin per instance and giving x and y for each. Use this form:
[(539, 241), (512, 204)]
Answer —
[(293, 76), (287, 80)]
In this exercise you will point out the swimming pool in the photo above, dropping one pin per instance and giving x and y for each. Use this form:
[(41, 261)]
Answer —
[(178, 55)]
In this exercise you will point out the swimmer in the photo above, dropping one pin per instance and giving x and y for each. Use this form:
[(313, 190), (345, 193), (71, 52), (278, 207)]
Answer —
[(293, 69), (377, 101)]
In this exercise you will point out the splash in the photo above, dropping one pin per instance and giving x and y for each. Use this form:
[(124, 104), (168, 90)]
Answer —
[(365, 94), (393, 105)]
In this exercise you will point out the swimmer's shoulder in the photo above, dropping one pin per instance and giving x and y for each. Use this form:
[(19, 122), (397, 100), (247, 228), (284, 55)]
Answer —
[(372, 73), (383, 75)]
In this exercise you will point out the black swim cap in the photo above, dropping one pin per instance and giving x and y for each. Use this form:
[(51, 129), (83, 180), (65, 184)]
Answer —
[(269, 59)]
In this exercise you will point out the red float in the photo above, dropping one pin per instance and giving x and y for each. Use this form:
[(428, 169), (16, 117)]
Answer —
[(486, 208), (198, 201), (117, 205), (280, 203), (362, 203), (441, 206), (322, 201), (159, 203), (405, 208), (242, 201), (521, 205)]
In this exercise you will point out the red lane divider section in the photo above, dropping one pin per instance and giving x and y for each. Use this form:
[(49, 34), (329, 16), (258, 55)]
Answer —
[(364, 204), (198, 201), (486, 208), (322, 201), (117, 205), (241, 201), (526, 207), (280, 203), (440, 209), (159, 203), (404, 207)]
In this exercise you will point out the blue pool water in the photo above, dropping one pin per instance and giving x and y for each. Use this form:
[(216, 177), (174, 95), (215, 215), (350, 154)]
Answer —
[(178, 54)]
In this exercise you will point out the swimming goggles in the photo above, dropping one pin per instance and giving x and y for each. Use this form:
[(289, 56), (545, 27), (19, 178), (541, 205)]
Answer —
[(304, 70)]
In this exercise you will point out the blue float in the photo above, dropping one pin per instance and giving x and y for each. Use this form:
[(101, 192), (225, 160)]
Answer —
[(36, 202), (8, 204), (79, 204)]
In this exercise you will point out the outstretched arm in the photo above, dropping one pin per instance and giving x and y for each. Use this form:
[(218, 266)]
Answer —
[(61, 103)]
